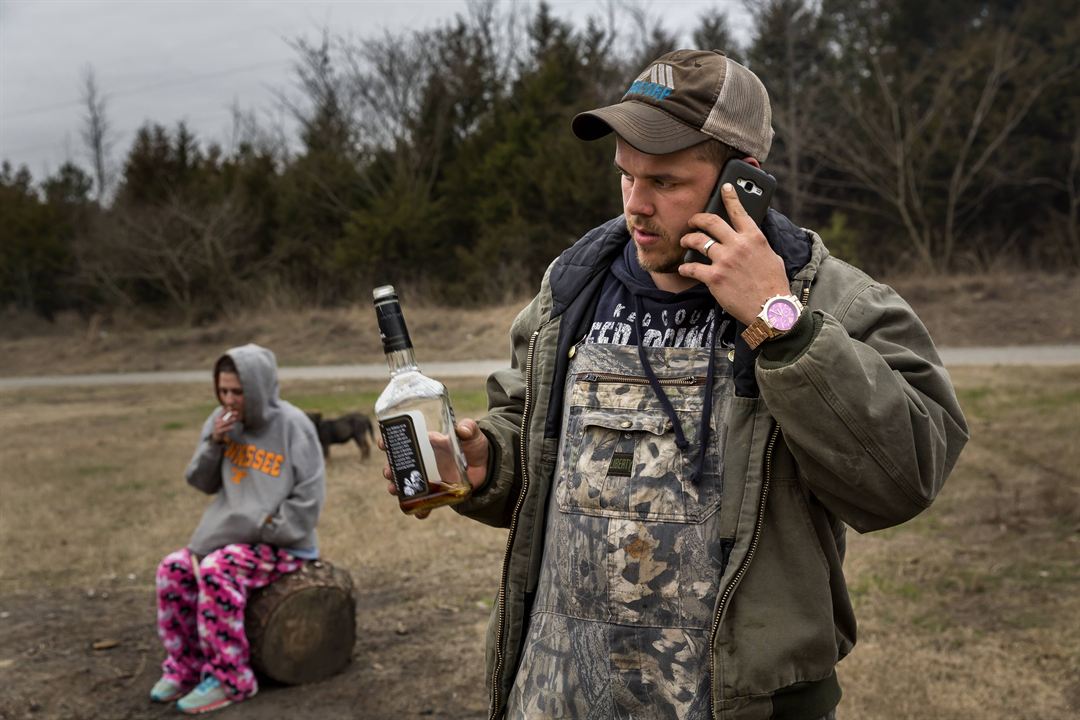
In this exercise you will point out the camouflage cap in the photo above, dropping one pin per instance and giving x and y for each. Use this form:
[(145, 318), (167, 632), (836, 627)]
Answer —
[(683, 98)]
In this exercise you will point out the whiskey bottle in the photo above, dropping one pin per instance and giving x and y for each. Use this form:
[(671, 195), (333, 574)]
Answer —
[(416, 420)]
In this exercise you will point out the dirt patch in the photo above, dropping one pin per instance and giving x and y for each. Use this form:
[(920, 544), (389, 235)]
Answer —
[(88, 514), (995, 309), (958, 310), (413, 657)]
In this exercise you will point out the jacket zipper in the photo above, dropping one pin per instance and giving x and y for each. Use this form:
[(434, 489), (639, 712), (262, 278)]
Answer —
[(501, 600), (688, 380), (766, 482), (730, 589)]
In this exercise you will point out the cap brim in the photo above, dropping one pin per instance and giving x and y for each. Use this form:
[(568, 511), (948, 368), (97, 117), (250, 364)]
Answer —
[(645, 127)]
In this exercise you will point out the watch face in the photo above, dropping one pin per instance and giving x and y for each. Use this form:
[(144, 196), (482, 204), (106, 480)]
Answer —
[(781, 314)]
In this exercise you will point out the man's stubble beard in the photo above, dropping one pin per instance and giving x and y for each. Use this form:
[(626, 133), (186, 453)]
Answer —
[(667, 263)]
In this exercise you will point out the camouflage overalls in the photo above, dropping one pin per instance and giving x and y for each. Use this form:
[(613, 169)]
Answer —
[(632, 556)]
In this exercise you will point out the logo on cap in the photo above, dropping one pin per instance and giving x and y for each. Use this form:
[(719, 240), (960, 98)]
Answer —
[(657, 82)]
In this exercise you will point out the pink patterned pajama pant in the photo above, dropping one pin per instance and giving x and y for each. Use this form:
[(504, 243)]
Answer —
[(201, 620)]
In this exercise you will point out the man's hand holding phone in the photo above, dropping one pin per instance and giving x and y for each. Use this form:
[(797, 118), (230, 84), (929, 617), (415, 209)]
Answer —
[(754, 188), (743, 270)]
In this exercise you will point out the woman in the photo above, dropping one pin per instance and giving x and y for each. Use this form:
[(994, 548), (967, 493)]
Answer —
[(260, 457)]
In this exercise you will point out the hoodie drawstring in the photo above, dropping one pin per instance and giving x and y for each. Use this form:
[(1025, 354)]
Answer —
[(680, 437)]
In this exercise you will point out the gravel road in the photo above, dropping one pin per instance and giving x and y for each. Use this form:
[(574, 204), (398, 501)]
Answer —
[(953, 357)]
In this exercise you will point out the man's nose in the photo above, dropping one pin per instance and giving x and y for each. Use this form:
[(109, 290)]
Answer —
[(637, 201)]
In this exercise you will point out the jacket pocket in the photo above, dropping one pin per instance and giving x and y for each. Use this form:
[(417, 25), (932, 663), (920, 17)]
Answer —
[(624, 463)]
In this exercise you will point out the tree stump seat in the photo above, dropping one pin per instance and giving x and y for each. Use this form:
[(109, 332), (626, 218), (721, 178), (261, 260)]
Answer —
[(302, 628)]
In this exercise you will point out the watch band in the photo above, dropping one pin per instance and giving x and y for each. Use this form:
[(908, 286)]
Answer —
[(756, 333)]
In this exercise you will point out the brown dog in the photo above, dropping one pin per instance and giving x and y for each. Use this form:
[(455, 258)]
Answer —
[(351, 426)]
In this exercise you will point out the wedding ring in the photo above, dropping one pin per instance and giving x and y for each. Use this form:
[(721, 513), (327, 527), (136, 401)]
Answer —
[(705, 248)]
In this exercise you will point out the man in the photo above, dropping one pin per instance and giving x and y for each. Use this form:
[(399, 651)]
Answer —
[(675, 463), (259, 456)]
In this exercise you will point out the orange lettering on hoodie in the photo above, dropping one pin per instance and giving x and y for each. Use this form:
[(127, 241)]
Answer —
[(251, 456)]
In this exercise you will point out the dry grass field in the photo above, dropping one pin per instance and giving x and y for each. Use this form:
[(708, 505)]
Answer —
[(965, 310), (971, 610)]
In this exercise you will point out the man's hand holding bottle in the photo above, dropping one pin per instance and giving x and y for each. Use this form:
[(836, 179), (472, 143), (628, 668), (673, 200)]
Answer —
[(474, 445)]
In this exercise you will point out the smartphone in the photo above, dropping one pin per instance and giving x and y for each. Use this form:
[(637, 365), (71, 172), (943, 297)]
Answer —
[(755, 189)]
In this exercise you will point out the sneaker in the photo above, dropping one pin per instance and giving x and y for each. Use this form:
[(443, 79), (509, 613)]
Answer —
[(207, 696), (166, 690)]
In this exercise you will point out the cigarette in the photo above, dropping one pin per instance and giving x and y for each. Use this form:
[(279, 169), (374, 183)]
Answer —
[(227, 416)]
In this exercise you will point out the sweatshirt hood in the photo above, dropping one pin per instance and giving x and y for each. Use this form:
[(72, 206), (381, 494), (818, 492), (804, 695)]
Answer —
[(638, 281), (257, 368), (641, 285), (594, 253)]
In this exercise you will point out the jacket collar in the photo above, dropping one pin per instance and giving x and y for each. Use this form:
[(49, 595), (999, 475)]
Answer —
[(801, 250)]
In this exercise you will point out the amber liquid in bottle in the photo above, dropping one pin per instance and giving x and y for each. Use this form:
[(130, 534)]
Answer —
[(416, 421)]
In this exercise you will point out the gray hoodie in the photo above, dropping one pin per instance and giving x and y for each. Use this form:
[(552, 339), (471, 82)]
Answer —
[(268, 476)]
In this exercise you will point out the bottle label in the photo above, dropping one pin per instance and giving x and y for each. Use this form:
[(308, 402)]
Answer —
[(412, 459), (392, 330)]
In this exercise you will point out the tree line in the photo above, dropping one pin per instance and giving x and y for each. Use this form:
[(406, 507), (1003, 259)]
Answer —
[(928, 137)]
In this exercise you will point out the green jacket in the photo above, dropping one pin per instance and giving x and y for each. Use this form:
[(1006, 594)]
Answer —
[(850, 419)]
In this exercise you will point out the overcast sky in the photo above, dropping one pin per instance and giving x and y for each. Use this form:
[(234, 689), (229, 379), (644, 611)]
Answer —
[(191, 60)]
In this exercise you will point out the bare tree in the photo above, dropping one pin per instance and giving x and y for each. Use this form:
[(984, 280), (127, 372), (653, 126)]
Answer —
[(96, 133), (1071, 186), (786, 53), (409, 93), (185, 252), (647, 36), (248, 132), (713, 32), (962, 110), (1064, 226)]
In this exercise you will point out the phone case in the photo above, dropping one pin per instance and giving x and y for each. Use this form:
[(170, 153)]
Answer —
[(755, 189)]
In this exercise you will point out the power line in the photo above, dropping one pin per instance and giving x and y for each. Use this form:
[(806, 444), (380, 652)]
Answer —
[(148, 88)]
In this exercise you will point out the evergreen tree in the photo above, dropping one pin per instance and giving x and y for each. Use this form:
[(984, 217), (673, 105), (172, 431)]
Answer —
[(37, 232)]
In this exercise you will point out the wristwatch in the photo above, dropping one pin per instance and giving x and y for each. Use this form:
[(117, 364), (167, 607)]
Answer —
[(778, 315)]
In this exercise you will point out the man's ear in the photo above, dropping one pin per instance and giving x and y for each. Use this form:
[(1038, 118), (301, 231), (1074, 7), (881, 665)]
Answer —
[(752, 161)]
